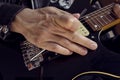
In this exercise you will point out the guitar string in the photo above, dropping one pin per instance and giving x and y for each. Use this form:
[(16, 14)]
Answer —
[(96, 72), (103, 10), (43, 50), (92, 21), (97, 11), (96, 20), (99, 22), (93, 15)]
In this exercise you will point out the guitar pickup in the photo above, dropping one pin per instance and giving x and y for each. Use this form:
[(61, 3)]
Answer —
[(29, 51), (83, 30)]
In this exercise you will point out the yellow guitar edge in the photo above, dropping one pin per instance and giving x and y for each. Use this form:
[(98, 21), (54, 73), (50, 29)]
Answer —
[(96, 72), (111, 24)]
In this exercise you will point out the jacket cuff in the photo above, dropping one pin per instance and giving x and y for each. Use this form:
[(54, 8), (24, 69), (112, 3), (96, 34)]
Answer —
[(7, 15), (8, 12)]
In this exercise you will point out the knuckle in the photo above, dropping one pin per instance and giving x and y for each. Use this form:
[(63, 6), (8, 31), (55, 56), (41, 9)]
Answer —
[(73, 37), (68, 19), (65, 42), (51, 8), (54, 47), (37, 41)]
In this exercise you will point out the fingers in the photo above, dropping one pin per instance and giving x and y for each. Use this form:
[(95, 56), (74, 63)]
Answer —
[(72, 23), (81, 40), (64, 49), (116, 9), (61, 45), (51, 46), (61, 34), (84, 41), (78, 39), (77, 15), (70, 45), (65, 46)]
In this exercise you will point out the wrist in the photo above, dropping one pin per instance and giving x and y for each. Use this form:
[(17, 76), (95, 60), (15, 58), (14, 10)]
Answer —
[(19, 24), (7, 14)]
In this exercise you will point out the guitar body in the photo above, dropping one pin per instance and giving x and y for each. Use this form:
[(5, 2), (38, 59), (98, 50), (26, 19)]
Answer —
[(67, 67), (12, 65), (106, 59)]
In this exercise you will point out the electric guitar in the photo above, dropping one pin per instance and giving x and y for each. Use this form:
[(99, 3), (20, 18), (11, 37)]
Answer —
[(98, 26)]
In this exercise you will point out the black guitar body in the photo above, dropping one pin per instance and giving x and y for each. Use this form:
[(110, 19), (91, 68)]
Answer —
[(67, 67), (60, 67), (106, 58), (12, 65)]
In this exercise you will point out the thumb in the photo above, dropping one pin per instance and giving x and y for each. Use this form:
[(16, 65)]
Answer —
[(116, 9), (77, 15)]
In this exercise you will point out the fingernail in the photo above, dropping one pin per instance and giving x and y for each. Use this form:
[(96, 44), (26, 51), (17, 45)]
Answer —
[(70, 53), (93, 46), (84, 52)]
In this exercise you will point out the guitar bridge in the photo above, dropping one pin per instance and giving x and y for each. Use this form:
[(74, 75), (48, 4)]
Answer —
[(29, 51)]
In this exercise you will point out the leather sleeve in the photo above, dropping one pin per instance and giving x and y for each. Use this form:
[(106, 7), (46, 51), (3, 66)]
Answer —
[(8, 12)]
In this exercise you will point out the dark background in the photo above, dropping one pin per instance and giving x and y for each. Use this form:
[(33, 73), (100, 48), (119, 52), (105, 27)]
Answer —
[(11, 61)]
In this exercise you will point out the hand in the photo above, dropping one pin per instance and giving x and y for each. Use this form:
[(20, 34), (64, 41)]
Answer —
[(52, 29), (116, 9)]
